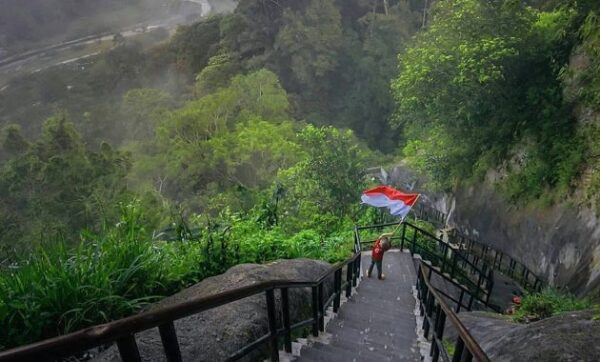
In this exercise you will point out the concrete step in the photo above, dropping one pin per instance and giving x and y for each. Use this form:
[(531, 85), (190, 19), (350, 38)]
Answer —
[(377, 323)]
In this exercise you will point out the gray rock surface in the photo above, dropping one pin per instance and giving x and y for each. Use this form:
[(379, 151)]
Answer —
[(216, 334), (572, 336), (560, 244)]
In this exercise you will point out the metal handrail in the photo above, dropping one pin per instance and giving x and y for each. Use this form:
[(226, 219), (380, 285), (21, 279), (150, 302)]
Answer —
[(497, 261), (450, 259), (122, 331), (433, 215), (435, 311)]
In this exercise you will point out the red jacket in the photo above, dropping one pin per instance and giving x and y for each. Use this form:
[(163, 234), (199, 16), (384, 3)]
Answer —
[(377, 252)]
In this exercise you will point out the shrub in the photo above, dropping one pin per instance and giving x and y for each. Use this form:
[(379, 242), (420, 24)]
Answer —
[(547, 303), (115, 274)]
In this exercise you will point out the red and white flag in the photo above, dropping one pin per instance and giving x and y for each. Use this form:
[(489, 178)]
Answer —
[(398, 202)]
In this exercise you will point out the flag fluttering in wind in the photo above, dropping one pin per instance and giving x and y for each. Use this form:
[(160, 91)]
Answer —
[(398, 202)]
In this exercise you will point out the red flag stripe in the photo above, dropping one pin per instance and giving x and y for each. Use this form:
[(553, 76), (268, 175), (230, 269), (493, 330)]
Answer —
[(392, 194)]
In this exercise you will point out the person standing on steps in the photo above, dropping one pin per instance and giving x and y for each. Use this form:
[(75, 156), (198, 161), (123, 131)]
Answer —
[(382, 244)]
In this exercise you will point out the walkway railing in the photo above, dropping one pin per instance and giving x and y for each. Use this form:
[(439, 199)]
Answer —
[(435, 311), (123, 331), (448, 258), (430, 214), (482, 254)]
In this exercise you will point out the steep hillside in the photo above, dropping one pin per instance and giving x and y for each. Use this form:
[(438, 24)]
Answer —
[(33, 23)]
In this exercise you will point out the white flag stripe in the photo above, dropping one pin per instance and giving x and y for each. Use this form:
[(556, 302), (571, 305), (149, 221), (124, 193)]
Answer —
[(396, 207)]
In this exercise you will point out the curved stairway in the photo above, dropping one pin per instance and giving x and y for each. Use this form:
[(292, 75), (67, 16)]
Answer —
[(377, 323)]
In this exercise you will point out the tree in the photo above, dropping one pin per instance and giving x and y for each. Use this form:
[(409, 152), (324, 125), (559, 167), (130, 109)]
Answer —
[(482, 78), (217, 74), (12, 142), (142, 109), (225, 138), (309, 42), (57, 186), (331, 177), (193, 45)]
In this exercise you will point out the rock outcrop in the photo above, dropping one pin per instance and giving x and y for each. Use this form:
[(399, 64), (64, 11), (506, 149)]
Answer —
[(216, 334), (571, 336), (560, 244)]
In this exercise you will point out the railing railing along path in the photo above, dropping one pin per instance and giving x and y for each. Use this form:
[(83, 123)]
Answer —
[(483, 254), (123, 331), (435, 312), (448, 258)]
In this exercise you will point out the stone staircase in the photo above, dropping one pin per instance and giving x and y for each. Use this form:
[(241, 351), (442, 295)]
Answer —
[(377, 323)]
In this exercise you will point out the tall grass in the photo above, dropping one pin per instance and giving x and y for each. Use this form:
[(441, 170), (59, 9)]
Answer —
[(115, 274), (549, 302)]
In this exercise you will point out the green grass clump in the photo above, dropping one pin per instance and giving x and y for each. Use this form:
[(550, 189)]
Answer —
[(113, 275), (449, 346), (549, 302)]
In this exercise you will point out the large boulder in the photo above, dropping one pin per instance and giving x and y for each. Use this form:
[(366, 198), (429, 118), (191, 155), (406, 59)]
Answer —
[(570, 336), (215, 334)]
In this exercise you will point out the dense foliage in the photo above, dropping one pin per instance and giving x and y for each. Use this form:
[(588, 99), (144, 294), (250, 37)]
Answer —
[(115, 273), (55, 186), (334, 58), (547, 303), (236, 177), (481, 88)]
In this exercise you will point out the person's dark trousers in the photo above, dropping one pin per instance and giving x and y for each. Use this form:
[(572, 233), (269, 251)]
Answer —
[(378, 263)]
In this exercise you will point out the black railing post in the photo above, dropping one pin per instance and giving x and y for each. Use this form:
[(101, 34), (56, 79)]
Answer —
[(470, 305), (337, 285), (349, 280), (403, 236), (500, 262), (479, 281), (168, 336), (458, 350), (468, 356), (425, 315), (460, 299), (444, 251), (285, 305), (414, 243), (434, 348), (128, 349), (315, 311), (440, 326), (489, 285), (274, 348), (422, 294), (495, 258), (511, 268), (454, 256), (537, 286), (356, 265), (358, 270), (321, 308), (428, 312)]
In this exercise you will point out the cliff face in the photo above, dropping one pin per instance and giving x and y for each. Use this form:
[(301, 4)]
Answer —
[(561, 244)]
